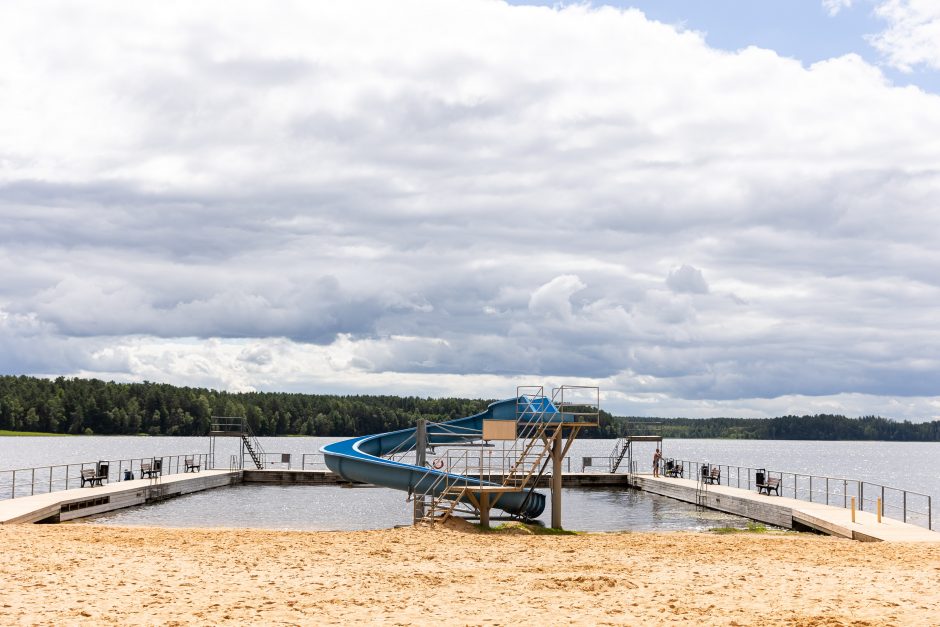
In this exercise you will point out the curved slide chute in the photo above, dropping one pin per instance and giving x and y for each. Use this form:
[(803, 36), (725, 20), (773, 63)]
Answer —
[(360, 459)]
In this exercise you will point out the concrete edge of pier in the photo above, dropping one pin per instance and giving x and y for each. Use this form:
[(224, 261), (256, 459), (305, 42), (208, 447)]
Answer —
[(786, 512), (76, 503)]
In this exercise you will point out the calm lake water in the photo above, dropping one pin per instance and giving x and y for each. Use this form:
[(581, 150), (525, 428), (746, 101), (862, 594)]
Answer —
[(911, 466)]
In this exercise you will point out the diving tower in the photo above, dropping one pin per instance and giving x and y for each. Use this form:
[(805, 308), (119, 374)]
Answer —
[(531, 432)]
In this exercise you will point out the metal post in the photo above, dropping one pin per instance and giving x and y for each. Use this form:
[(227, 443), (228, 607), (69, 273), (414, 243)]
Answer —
[(845, 492), (50, 478), (861, 496), (827, 490), (13, 486), (904, 505), (556, 480), (811, 488), (421, 457), (32, 483)]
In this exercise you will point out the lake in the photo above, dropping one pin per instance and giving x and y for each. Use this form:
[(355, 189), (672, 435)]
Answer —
[(910, 466)]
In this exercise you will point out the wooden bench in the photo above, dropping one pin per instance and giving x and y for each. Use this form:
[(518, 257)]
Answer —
[(713, 477), (772, 483), (151, 469), (91, 477), (192, 464)]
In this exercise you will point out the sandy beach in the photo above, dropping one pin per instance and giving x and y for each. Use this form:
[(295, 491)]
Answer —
[(88, 574)]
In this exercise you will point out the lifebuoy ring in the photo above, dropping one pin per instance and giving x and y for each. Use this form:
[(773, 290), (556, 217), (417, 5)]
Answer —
[(438, 464)]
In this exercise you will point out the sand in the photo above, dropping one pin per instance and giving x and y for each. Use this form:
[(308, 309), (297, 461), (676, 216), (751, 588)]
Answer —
[(90, 574)]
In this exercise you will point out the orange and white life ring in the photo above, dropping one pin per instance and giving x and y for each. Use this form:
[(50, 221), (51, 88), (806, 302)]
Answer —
[(438, 463)]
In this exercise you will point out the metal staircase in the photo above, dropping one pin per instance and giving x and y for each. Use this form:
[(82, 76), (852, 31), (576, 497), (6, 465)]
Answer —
[(530, 453), (621, 446), (253, 446), (237, 426)]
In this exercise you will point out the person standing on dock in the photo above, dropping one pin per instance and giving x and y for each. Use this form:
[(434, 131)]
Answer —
[(657, 456)]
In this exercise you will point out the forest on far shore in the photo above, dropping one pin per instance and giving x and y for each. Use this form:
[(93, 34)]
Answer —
[(90, 406)]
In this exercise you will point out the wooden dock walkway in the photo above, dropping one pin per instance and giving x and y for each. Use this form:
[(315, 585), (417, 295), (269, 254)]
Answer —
[(786, 512), (81, 502)]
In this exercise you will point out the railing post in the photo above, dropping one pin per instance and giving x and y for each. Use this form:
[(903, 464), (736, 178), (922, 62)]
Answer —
[(32, 483), (811, 488), (904, 505), (50, 478), (861, 496), (13, 486), (845, 493), (827, 490)]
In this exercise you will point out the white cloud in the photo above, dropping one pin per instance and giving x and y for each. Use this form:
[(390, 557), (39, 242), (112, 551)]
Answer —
[(913, 35), (554, 298), (833, 7), (456, 197)]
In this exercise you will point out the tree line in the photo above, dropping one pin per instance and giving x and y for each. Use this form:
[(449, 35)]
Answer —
[(91, 406), (815, 427)]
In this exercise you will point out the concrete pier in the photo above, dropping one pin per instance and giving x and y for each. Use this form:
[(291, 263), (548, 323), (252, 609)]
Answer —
[(81, 502), (774, 510), (786, 512)]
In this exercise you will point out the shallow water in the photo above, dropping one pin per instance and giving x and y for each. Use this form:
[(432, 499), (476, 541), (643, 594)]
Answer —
[(339, 508)]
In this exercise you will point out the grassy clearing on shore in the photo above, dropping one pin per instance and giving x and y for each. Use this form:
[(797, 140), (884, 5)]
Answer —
[(752, 527), (518, 528), (4, 432)]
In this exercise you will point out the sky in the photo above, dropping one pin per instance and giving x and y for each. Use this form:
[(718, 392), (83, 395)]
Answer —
[(705, 209)]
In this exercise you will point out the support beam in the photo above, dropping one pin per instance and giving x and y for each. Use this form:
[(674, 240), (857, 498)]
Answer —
[(556, 479), (485, 510), (421, 457)]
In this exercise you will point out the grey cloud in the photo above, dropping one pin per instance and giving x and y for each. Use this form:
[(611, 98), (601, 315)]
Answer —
[(506, 206), (687, 279)]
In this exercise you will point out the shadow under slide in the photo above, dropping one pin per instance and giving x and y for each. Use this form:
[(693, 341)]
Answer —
[(360, 459)]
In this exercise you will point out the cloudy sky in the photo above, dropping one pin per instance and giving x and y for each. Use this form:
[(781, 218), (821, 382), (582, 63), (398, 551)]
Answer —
[(726, 211)]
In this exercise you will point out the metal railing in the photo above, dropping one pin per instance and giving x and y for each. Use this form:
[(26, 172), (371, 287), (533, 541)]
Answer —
[(905, 505), (44, 479)]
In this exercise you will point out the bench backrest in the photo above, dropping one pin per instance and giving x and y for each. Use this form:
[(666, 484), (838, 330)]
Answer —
[(773, 481), (146, 466), (716, 471), (88, 473), (189, 460)]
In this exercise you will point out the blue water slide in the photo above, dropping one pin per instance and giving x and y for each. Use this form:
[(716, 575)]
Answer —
[(360, 459)]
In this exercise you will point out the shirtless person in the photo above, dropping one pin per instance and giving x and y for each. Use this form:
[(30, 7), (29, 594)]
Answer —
[(657, 456)]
